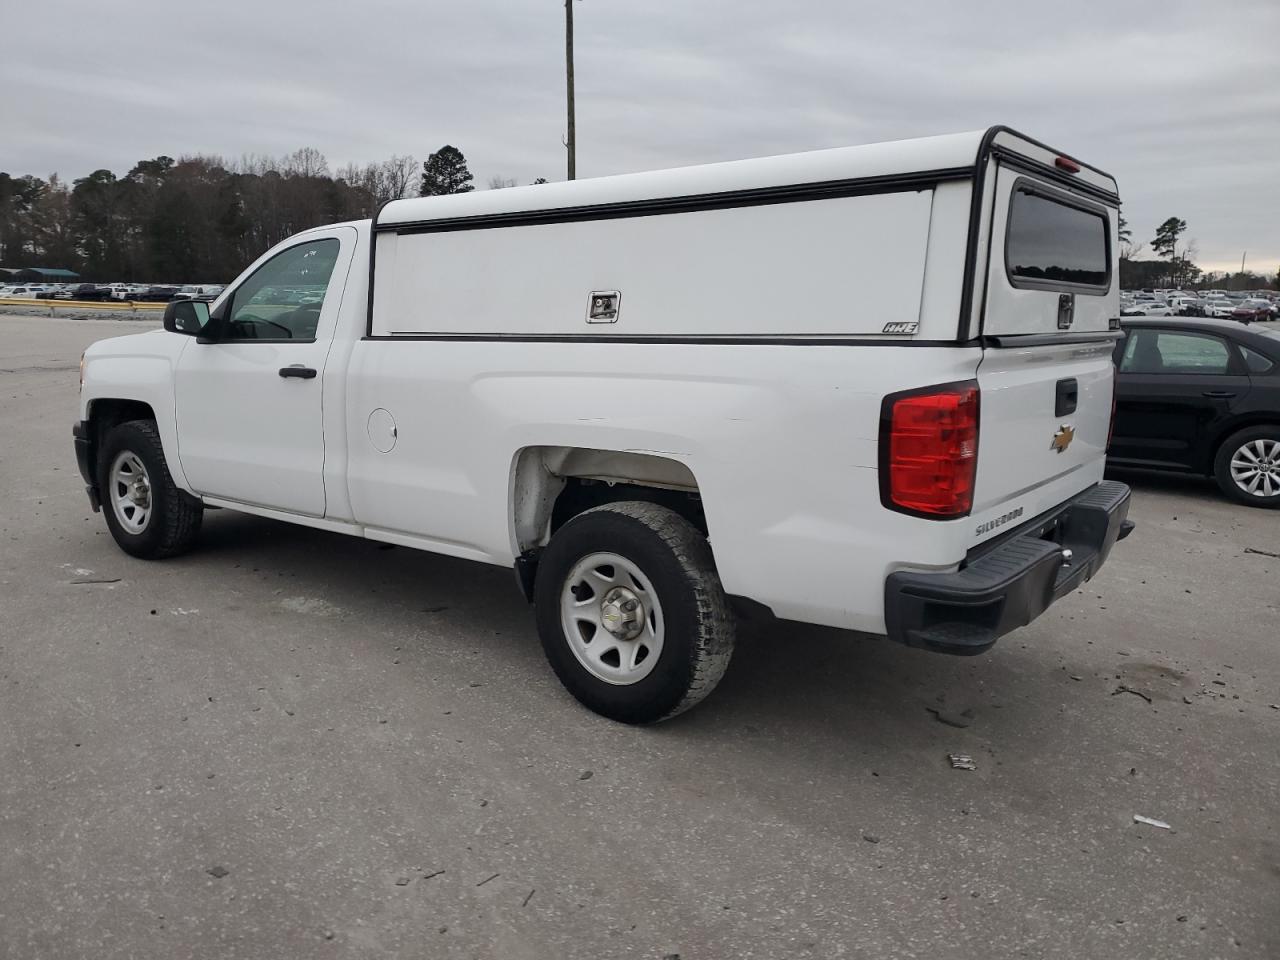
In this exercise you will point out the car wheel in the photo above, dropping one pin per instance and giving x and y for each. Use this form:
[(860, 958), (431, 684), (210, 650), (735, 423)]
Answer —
[(1247, 466), (631, 612), (148, 516)]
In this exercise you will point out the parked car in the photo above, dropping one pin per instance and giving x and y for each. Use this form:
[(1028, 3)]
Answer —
[(23, 292), (870, 469), (198, 291), (1147, 308), (1252, 311), (1218, 307), (156, 293), (1203, 397), (1186, 306), (84, 292)]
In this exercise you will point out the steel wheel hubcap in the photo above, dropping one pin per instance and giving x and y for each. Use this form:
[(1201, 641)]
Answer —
[(130, 492), (1255, 468), (612, 618)]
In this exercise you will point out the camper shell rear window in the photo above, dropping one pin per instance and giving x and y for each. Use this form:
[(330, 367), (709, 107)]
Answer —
[(1056, 242)]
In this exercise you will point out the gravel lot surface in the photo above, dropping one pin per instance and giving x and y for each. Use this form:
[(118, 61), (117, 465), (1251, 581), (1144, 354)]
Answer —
[(294, 744)]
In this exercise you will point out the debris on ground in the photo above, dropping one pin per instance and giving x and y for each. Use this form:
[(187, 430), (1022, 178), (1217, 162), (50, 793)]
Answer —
[(586, 775), (870, 837), (428, 876), (217, 872), (962, 761), (487, 879), (97, 580), (528, 897), (1263, 553), (402, 881), (1139, 818), (1121, 688), (961, 719)]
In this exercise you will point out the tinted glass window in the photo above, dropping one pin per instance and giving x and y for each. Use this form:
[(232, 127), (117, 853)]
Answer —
[(1255, 361), (1050, 242), (1162, 351), (282, 299)]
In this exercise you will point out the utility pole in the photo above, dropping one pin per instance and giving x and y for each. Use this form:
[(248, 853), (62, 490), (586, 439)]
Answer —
[(1242, 256), (571, 142)]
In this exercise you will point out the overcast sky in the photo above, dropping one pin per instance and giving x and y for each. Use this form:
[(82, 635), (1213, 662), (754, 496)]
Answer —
[(1179, 100)]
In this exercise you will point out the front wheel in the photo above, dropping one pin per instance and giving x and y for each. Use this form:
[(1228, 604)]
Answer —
[(1247, 466), (631, 612), (148, 516)]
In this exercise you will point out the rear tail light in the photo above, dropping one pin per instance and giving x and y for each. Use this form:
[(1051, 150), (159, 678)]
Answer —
[(929, 450)]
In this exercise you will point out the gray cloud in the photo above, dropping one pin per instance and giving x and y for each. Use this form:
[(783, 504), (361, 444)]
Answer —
[(1180, 100)]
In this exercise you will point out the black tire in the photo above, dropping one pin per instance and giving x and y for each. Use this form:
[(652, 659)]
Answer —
[(175, 517), (697, 622), (1227, 452)]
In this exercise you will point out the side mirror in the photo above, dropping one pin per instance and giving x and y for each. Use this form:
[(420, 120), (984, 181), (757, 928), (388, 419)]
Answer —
[(187, 317)]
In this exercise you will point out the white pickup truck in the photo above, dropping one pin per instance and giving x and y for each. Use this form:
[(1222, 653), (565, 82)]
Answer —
[(867, 387)]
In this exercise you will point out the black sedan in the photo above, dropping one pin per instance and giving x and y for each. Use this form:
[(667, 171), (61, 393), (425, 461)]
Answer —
[(1203, 397)]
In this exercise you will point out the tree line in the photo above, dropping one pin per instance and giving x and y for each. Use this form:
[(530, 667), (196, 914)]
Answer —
[(201, 218), (1176, 266)]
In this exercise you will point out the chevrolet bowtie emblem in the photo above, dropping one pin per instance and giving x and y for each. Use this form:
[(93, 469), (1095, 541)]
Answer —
[(1062, 439)]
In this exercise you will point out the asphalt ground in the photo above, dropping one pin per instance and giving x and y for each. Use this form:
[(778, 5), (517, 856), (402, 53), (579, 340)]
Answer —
[(290, 743)]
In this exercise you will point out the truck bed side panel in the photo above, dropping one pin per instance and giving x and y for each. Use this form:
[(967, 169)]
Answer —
[(782, 441)]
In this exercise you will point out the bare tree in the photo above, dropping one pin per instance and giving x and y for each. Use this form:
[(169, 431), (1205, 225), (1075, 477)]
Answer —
[(306, 162), (501, 183), (399, 177)]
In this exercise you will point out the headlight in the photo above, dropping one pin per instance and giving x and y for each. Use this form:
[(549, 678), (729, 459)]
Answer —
[(82, 372)]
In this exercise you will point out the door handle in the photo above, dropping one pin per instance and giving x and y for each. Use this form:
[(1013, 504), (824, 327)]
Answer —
[(1219, 394), (298, 371)]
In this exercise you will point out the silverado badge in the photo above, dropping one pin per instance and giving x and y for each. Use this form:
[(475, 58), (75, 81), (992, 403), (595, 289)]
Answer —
[(1062, 439)]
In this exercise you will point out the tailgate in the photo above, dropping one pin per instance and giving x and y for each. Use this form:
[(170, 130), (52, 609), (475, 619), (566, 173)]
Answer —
[(1046, 411), (1046, 374)]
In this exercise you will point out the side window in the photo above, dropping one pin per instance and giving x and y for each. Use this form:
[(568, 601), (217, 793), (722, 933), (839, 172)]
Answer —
[(281, 300), (1256, 362), (1163, 351)]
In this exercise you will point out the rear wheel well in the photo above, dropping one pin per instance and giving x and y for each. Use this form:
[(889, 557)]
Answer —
[(581, 494), (552, 485)]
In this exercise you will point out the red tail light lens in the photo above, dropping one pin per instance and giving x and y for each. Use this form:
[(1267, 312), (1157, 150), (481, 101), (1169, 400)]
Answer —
[(929, 450)]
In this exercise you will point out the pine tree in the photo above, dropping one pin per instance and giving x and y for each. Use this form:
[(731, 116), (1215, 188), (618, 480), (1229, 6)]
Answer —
[(444, 172)]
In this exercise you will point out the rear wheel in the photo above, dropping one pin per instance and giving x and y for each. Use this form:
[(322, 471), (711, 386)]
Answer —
[(1247, 466), (631, 612), (148, 516)]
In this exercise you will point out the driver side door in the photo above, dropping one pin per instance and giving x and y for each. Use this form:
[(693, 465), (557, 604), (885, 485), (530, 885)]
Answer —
[(249, 413)]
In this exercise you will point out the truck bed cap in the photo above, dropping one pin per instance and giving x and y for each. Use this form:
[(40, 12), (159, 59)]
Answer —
[(895, 164)]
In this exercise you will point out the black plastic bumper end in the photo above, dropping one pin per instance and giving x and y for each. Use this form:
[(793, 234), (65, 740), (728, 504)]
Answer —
[(1008, 586), (82, 434)]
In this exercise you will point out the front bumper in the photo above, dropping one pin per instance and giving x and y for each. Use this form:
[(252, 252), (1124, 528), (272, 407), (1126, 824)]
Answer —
[(1009, 582), (82, 433)]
